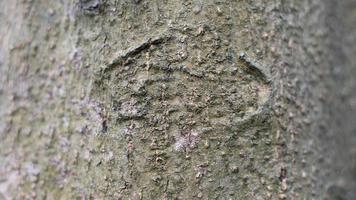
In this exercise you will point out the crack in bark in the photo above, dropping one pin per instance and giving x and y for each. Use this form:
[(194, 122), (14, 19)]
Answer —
[(255, 68), (122, 56)]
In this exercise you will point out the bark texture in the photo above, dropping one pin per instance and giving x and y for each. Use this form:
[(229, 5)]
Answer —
[(163, 99)]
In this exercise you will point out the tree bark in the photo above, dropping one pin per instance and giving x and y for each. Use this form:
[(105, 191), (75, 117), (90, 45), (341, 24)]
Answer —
[(215, 99)]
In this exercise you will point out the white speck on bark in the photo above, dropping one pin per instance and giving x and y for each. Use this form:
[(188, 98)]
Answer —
[(188, 141)]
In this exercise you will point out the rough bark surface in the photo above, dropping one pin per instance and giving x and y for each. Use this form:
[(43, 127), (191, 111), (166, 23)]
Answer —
[(213, 99)]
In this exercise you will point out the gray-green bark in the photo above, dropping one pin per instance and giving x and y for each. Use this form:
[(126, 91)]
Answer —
[(215, 99)]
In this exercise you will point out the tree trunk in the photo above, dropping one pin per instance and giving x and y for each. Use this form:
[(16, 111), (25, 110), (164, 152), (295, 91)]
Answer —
[(214, 99)]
